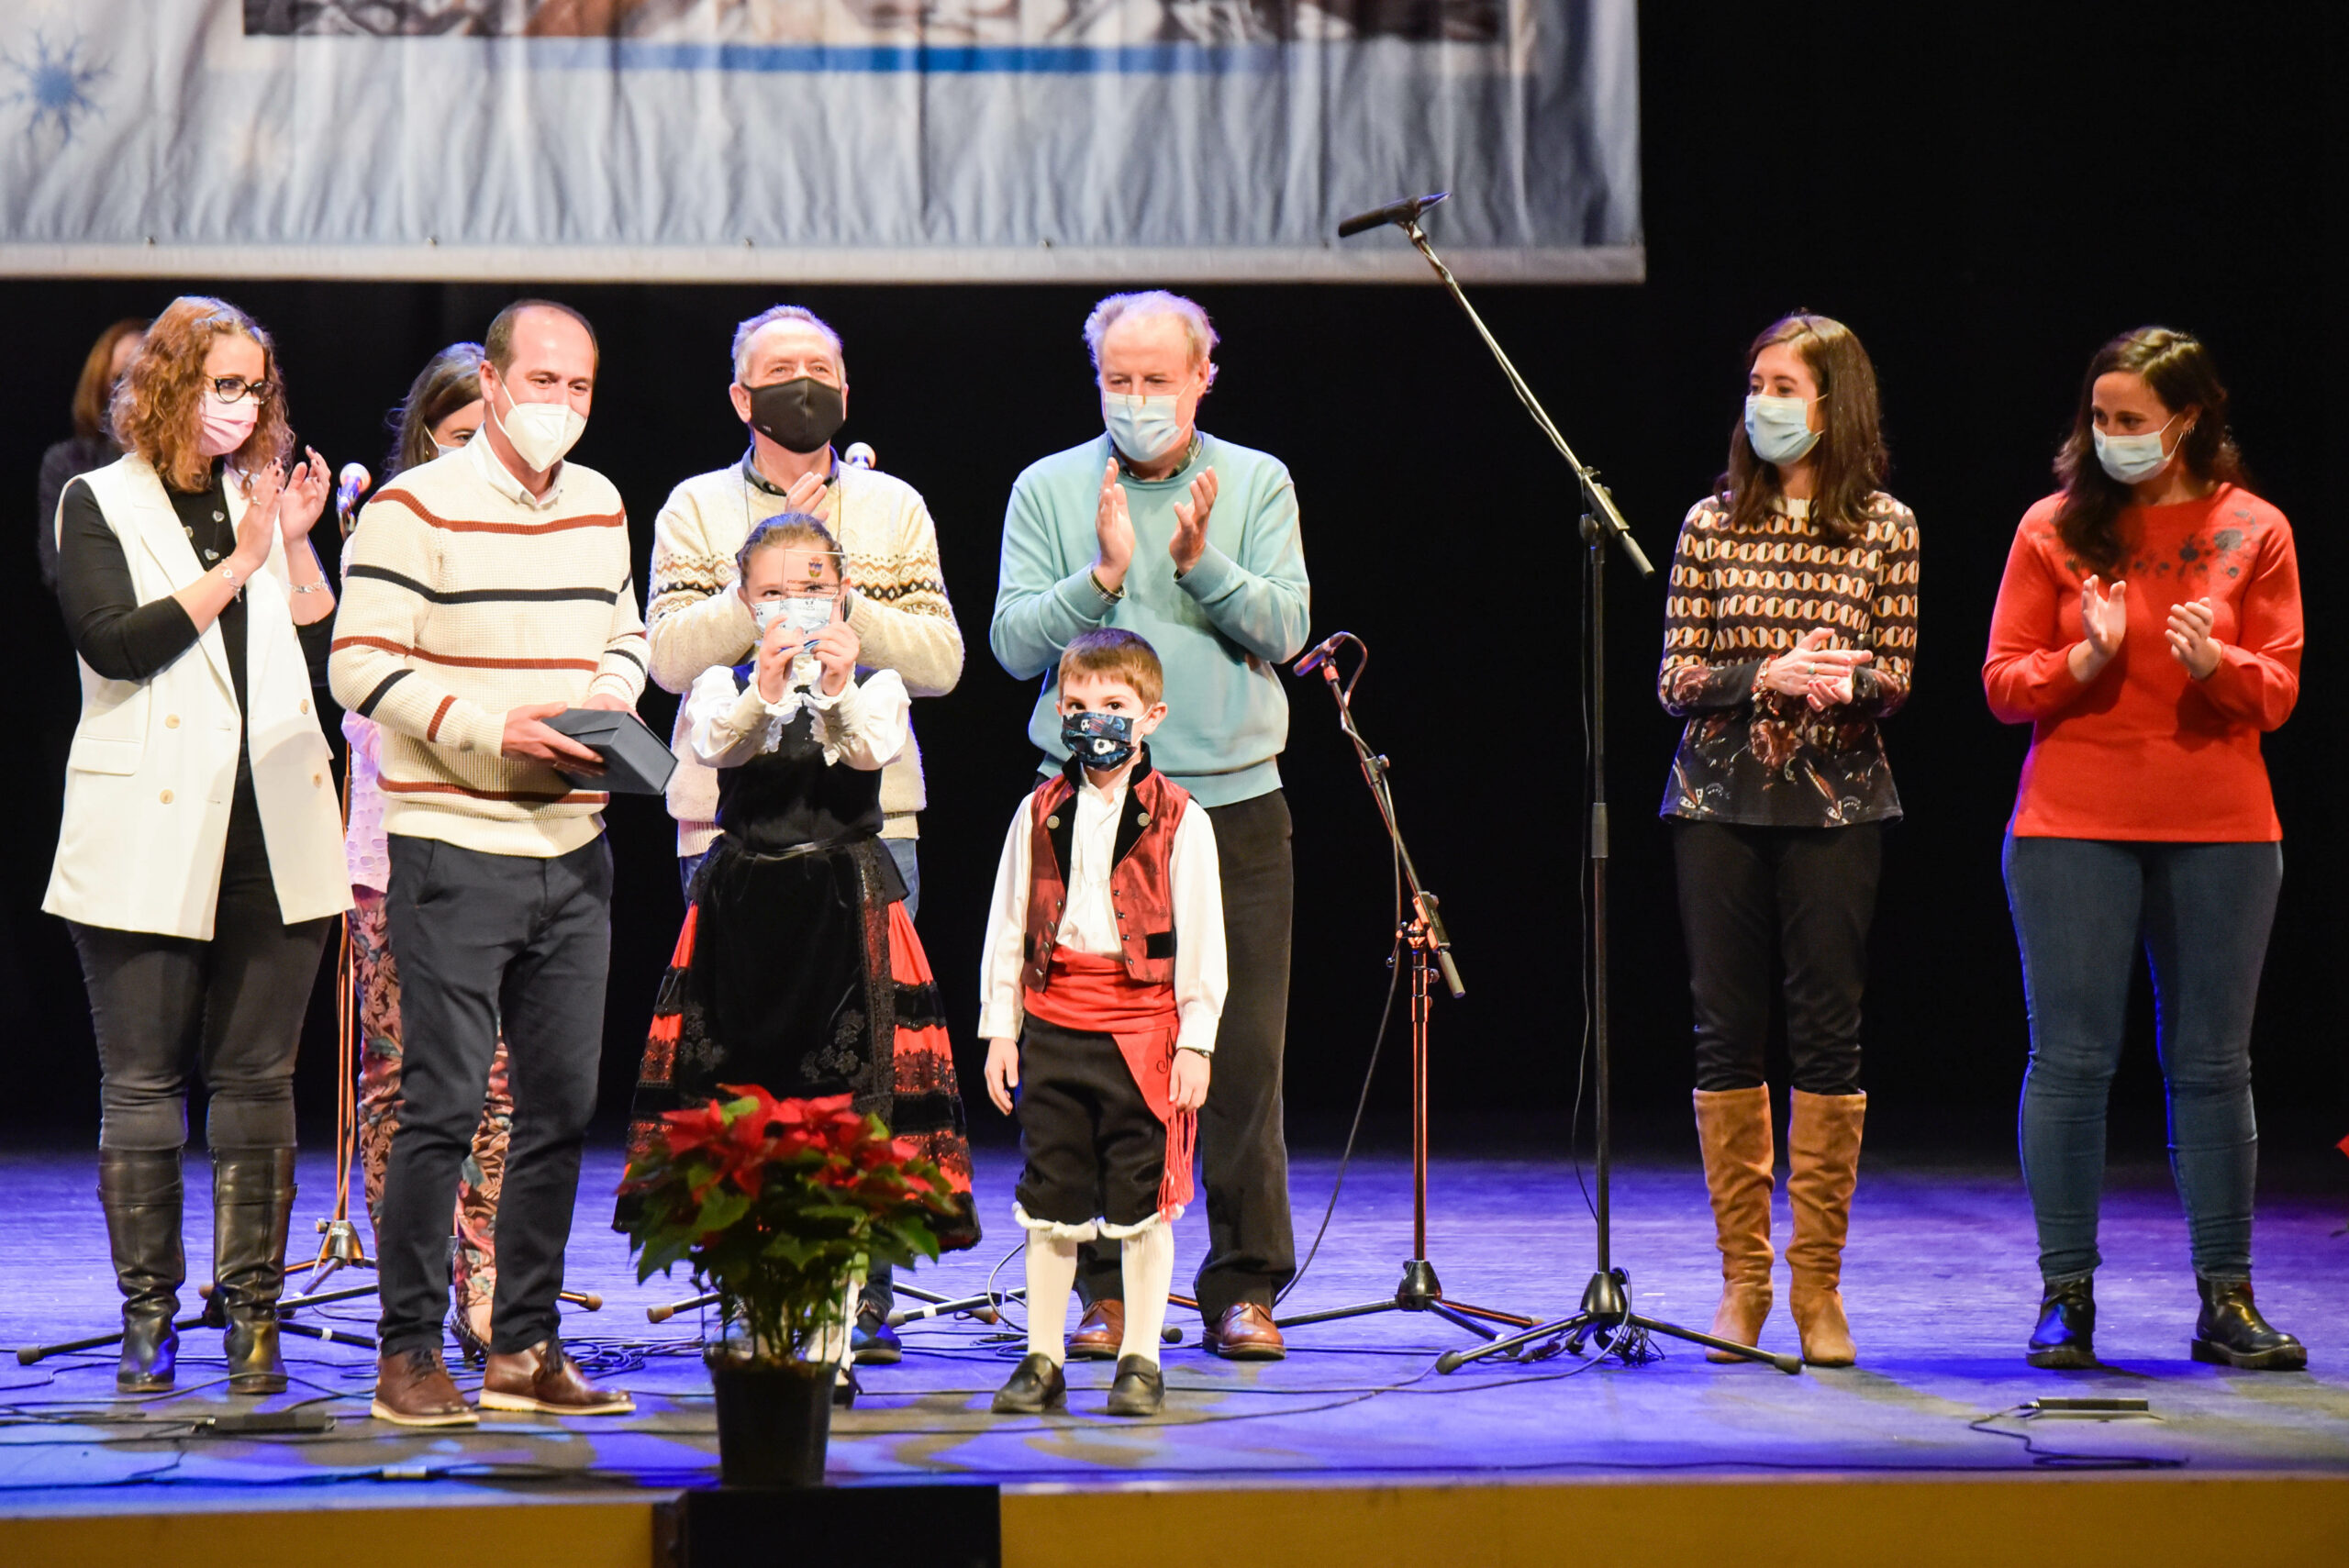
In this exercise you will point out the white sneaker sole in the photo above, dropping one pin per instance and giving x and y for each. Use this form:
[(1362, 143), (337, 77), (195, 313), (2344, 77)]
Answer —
[(523, 1404)]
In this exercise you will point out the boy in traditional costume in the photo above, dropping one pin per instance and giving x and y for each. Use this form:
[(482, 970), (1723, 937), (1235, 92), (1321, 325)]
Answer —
[(797, 969), (1106, 937)]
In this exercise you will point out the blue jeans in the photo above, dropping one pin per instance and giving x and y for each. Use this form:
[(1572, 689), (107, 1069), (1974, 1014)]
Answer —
[(2202, 911), (880, 1294)]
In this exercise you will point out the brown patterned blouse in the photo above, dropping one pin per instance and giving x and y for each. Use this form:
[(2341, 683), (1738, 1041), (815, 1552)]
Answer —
[(1741, 596)]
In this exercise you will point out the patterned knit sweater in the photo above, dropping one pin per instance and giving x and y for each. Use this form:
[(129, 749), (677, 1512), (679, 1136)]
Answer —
[(464, 598), (1741, 596), (694, 619)]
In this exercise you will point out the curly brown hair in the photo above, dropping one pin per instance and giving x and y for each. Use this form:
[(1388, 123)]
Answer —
[(2180, 372), (156, 409)]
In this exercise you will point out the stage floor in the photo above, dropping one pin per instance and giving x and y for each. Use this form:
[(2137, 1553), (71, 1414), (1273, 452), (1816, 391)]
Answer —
[(1939, 1280)]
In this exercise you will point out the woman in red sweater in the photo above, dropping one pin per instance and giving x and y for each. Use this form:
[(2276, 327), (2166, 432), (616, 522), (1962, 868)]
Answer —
[(2148, 629)]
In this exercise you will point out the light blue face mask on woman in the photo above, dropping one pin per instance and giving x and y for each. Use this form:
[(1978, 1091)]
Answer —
[(2132, 460), (1779, 427)]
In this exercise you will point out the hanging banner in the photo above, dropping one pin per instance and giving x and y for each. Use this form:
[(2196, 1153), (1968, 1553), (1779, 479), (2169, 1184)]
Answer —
[(807, 140)]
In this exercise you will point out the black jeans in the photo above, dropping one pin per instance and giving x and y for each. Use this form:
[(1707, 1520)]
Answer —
[(1812, 890), (1243, 1149), (231, 1007), (484, 940)]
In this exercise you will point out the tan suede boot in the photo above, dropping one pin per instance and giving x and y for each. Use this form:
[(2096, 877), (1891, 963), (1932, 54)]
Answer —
[(1734, 1128), (1822, 1166)]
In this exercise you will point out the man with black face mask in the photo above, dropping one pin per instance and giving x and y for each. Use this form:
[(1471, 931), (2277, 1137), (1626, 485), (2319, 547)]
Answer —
[(790, 387)]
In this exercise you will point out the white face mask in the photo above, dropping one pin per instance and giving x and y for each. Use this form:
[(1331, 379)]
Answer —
[(802, 615), (541, 433), (2132, 460), (1144, 428), (1779, 427)]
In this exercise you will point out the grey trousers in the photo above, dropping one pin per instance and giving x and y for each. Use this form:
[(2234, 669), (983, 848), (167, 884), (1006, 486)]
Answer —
[(484, 939)]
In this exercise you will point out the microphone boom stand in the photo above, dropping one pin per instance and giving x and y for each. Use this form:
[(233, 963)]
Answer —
[(1606, 1315), (1423, 932)]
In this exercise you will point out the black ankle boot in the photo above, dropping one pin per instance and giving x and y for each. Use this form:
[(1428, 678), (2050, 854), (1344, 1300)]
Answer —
[(252, 1199), (2230, 1332), (139, 1189), (2066, 1333)]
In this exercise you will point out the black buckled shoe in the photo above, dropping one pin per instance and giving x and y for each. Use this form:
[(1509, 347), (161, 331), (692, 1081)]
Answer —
[(872, 1342), (1140, 1390), (2066, 1338), (2230, 1332), (1037, 1386)]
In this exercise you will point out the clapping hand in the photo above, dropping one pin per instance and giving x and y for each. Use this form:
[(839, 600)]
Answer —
[(1114, 531), (1190, 539), (807, 493), (2104, 624), (302, 498), (1814, 672), (2190, 643)]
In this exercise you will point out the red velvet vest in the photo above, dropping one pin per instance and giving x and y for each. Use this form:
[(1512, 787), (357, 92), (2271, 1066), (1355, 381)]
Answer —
[(1141, 882)]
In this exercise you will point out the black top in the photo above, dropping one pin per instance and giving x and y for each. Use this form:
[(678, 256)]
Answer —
[(126, 640), (75, 454), (788, 797)]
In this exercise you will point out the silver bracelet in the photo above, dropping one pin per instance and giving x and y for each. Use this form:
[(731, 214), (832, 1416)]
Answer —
[(309, 588)]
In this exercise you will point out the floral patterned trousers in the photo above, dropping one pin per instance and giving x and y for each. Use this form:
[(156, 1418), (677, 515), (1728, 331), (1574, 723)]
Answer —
[(474, 1274)]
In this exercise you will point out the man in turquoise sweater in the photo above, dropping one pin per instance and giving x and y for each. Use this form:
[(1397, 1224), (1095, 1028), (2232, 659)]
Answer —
[(1191, 541)]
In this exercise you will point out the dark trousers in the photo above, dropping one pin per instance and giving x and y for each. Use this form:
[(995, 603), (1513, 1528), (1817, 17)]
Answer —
[(1244, 1149), (484, 940), (1093, 1148), (1809, 891), (2202, 912), (230, 1008)]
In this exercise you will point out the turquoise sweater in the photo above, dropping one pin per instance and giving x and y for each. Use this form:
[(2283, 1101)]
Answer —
[(1220, 628)]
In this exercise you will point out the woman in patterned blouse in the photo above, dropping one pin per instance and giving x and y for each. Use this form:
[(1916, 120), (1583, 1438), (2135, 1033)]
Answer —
[(1790, 630)]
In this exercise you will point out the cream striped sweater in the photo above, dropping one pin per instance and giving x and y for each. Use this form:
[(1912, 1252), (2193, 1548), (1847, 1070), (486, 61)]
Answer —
[(462, 599), (901, 615)]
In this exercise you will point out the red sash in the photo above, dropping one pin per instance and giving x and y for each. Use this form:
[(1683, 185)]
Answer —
[(1094, 993)]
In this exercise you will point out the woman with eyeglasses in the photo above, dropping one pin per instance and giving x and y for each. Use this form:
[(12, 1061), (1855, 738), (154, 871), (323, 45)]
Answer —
[(200, 865), (441, 412)]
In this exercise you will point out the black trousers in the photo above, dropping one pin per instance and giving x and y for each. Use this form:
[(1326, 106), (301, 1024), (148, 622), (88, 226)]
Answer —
[(484, 940), (1243, 1148), (231, 1008), (1811, 893), (1093, 1148)]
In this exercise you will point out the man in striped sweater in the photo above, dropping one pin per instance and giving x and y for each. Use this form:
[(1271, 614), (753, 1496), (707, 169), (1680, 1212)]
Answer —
[(487, 592)]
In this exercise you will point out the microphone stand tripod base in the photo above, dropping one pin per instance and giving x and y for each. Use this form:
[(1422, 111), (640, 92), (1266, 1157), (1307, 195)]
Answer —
[(1606, 1312)]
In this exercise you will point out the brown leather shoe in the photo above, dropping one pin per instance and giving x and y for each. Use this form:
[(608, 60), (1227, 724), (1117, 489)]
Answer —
[(412, 1389), (543, 1379), (1099, 1337), (1245, 1333)]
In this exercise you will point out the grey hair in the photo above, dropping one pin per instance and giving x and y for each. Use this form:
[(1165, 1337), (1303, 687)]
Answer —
[(1197, 327), (774, 313)]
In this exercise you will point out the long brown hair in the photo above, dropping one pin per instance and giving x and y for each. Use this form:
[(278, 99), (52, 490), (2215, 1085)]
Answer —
[(2181, 373), (156, 409), (95, 386), (449, 381), (1849, 458)]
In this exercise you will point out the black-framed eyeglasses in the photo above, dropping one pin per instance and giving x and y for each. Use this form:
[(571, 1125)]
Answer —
[(236, 388)]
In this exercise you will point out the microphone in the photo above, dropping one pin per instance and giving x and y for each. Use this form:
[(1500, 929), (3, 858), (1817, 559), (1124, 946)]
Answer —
[(859, 455), (1404, 211), (1317, 657), (350, 484)]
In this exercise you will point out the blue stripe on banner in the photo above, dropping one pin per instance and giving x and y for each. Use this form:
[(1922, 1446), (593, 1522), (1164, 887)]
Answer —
[(1030, 60)]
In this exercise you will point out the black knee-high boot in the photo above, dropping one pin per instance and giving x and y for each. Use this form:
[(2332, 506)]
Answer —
[(141, 1191), (252, 1200)]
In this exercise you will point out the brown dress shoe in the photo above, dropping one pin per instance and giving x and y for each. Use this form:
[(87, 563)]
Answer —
[(1245, 1333), (1099, 1337), (412, 1389), (543, 1379)]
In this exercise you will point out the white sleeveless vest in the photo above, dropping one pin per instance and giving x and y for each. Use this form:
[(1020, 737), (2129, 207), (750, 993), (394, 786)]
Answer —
[(149, 781)]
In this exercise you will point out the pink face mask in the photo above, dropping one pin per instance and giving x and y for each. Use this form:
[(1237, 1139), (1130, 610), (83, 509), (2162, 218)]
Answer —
[(225, 425)]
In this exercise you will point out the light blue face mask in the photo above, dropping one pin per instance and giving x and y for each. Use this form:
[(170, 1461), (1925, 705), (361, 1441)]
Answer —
[(1144, 428), (2132, 460), (1779, 427)]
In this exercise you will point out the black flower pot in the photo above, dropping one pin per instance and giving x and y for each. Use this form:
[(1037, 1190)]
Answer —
[(773, 1421)]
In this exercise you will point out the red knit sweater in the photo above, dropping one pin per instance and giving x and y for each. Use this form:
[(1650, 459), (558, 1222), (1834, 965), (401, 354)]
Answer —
[(2144, 751)]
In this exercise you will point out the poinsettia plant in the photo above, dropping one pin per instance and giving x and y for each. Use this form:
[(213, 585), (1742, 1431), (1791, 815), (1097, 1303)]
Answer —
[(774, 1204)]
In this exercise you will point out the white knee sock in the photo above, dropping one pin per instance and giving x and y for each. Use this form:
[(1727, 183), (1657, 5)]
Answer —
[(1052, 1278), (1147, 1262)]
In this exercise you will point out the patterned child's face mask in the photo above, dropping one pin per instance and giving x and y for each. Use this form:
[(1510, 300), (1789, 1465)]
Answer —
[(1098, 739)]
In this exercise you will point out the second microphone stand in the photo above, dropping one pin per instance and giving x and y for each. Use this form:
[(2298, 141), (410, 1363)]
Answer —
[(1423, 930)]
